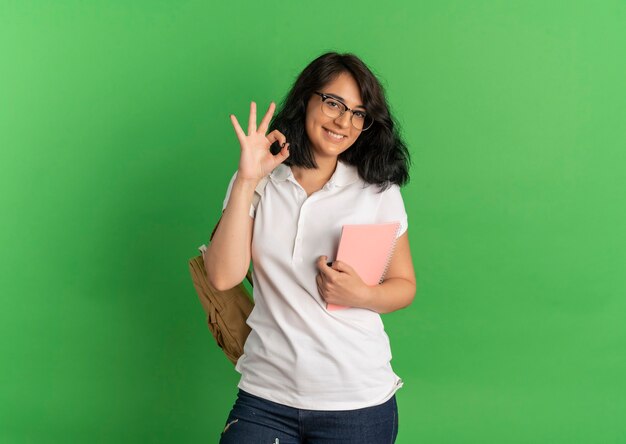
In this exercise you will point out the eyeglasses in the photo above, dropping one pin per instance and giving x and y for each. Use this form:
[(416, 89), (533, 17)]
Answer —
[(334, 108)]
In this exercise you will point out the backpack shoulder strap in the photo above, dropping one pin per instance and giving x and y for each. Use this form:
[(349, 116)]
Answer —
[(259, 190)]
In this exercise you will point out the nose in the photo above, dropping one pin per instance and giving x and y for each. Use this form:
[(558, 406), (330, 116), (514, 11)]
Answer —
[(343, 120)]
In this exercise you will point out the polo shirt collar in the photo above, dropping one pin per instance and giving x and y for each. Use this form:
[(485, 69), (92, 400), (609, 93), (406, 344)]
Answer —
[(344, 174)]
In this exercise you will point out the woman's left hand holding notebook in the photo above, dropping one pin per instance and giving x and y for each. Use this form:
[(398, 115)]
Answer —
[(339, 284)]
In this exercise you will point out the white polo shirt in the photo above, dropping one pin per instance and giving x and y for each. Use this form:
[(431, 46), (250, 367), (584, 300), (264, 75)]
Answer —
[(298, 353)]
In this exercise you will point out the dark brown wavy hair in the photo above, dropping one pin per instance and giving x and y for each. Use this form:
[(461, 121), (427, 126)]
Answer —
[(379, 154)]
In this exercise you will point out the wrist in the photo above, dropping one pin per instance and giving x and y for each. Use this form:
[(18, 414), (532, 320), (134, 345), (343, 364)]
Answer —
[(245, 183), (369, 296)]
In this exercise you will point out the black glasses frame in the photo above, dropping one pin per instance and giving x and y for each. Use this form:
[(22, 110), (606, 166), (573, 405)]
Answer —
[(326, 96)]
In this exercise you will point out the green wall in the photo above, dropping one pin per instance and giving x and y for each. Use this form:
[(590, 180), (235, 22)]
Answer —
[(116, 149)]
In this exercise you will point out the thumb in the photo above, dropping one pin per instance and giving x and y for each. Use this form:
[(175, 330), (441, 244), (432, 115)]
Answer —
[(281, 156), (343, 267)]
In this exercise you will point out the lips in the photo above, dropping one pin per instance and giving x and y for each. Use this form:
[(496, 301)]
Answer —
[(327, 130)]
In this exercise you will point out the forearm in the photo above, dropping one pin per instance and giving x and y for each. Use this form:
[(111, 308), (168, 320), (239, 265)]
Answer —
[(391, 295), (228, 254)]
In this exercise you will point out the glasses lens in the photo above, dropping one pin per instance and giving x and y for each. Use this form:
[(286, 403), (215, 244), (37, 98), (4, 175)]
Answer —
[(367, 122), (332, 108), (360, 120)]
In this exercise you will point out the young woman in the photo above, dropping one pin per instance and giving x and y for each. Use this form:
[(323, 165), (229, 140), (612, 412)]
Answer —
[(333, 157)]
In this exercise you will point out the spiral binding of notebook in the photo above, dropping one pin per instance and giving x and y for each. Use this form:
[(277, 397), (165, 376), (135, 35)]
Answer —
[(393, 248)]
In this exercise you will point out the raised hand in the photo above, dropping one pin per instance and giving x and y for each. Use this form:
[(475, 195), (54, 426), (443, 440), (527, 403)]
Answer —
[(256, 160)]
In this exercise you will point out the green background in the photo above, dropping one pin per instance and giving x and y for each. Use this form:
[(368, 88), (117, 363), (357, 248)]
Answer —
[(116, 150)]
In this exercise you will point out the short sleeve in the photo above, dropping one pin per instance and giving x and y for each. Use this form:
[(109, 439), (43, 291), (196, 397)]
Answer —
[(230, 187), (391, 208)]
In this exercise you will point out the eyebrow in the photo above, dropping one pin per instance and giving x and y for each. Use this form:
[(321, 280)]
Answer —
[(343, 100)]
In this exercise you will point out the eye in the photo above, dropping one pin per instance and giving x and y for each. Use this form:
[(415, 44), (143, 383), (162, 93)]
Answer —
[(332, 103), (360, 115)]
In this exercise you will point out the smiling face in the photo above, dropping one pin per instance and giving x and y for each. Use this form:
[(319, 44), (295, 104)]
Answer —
[(318, 124)]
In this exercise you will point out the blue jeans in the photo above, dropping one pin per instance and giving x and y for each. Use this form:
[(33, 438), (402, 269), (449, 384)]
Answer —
[(255, 420)]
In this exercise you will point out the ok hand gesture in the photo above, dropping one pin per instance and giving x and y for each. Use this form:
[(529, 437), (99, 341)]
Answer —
[(256, 160)]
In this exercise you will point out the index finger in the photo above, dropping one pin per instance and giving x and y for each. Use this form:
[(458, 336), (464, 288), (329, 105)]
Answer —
[(266, 118)]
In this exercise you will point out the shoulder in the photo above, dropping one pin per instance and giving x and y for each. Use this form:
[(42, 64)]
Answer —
[(391, 207), (390, 197), (350, 175)]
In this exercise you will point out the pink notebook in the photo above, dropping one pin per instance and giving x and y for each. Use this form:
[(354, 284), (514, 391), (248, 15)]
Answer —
[(367, 248)]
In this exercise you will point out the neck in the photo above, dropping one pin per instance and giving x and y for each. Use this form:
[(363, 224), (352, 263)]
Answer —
[(325, 169)]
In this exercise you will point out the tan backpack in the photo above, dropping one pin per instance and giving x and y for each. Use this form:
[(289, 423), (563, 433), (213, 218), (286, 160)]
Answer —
[(226, 311)]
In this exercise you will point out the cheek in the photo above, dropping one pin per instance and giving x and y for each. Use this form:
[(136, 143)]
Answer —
[(313, 127), (353, 139), (309, 128), (310, 124)]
